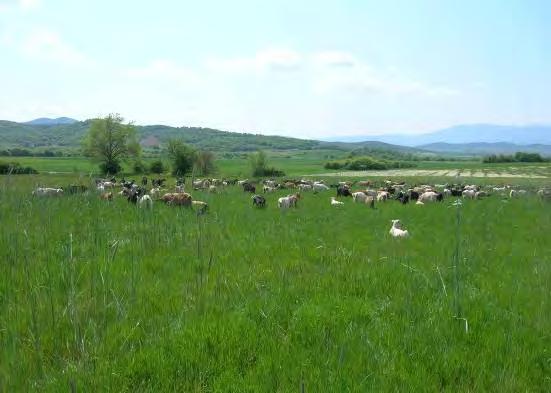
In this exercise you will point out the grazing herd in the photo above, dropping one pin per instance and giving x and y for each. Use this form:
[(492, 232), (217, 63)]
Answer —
[(366, 193)]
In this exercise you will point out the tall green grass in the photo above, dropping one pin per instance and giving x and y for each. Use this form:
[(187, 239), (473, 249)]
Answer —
[(102, 296)]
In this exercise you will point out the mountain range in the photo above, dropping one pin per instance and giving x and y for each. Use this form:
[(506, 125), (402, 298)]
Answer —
[(462, 134), (477, 139)]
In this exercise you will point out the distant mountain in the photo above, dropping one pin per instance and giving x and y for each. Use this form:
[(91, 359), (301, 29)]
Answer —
[(484, 148), (45, 121), (473, 133)]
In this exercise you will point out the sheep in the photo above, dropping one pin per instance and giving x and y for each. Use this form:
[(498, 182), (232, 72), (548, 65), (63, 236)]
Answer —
[(371, 193), (430, 196), (544, 194), (201, 206), (343, 191), (213, 189), (259, 201), (248, 187), (480, 194), (268, 189), (304, 187), (107, 196), (179, 199), (145, 201), (468, 193), (288, 201), (359, 197), (320, 187), (47, 192), (179, 188), (334, 202), (370, 201), (108, 184), (517, 193), (155, 192), (382, 196), (396, 229)]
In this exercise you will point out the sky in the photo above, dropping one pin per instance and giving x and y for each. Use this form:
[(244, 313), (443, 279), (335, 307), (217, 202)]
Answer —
[(310, 69)]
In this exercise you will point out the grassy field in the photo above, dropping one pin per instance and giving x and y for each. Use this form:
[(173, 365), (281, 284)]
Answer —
[(106, 297)]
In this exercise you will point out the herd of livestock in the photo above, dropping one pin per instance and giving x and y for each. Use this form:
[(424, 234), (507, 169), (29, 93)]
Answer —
[(365, 192)]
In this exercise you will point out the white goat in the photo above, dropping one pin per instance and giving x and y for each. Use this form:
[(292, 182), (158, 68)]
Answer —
[(397, 231), (145, 201)]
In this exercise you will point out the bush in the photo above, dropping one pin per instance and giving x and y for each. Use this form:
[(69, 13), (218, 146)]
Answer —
[(111, 168), (139, 168), (273, 172), (14, 168), (157, 167), (366, 163), (518, 157)]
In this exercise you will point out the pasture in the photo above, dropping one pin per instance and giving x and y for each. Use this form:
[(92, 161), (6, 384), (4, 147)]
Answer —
[(103, 296)]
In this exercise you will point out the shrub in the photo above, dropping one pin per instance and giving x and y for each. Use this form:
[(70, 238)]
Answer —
[(111, 168), (139, 167), (14, 168), (518, 157), (157, 167), (366, 163)]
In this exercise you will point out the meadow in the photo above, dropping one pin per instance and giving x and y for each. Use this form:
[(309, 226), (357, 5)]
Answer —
[(98, 296)]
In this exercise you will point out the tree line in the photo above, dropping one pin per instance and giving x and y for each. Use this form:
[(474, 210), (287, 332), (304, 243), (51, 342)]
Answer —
[(110, 142), (517, 157)]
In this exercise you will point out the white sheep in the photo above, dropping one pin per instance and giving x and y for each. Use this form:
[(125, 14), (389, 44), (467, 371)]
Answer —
[(145, 201), (320, 187), (396, 229), (468, 193), (334, 202), (359, 197), (46, 191)]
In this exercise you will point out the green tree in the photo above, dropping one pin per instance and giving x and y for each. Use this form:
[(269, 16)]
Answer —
[(182, 155), (157, 167), (204, 163), (110, 142), (258, 162)]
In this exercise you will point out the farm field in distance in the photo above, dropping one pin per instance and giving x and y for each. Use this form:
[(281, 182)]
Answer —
[(304, 163), (99, 296)]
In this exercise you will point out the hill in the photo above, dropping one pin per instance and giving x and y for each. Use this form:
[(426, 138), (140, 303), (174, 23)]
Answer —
[(69, 136), (483, 148), (45, 121), (461, 134)]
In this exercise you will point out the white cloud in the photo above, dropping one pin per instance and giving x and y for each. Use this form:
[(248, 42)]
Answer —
[(269, 59), (48, 45)]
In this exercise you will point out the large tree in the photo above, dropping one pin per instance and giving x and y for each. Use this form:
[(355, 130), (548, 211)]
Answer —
[(183, 157), (204, 163), (110, 142), (258, 162)]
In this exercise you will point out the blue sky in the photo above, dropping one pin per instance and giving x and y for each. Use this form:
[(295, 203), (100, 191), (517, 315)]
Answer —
[(300, 68)]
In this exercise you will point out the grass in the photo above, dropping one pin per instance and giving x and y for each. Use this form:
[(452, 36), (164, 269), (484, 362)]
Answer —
[(97, 296)]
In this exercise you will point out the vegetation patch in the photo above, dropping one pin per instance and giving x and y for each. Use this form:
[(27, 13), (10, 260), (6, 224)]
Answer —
[(366, 163), (15, 168)]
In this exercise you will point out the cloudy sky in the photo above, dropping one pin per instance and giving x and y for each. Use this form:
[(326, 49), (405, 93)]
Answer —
[(299, 68)]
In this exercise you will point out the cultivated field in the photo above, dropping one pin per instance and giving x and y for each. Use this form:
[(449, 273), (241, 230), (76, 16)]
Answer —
[(104, 296)]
